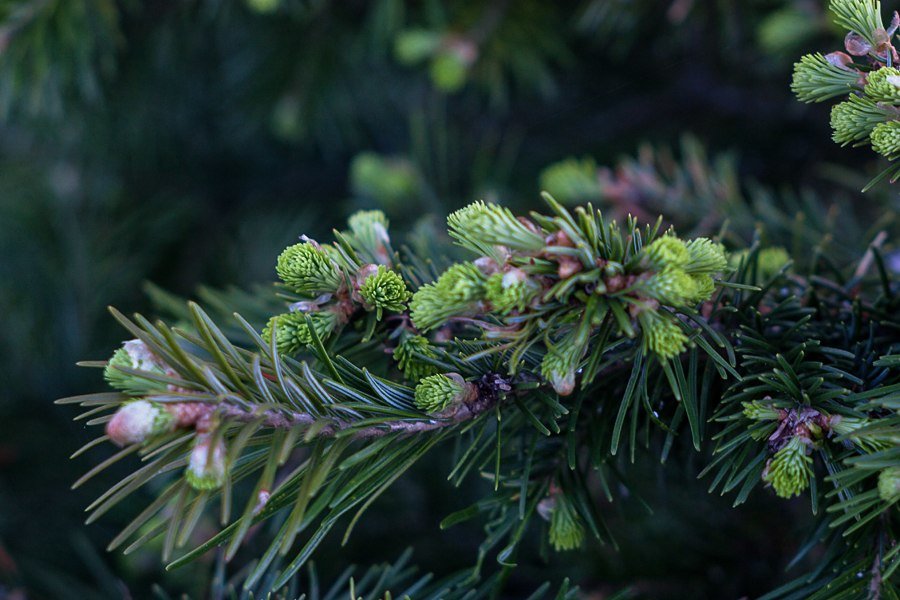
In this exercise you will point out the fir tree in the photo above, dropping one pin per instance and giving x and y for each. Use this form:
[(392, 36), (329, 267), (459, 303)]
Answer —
[(546, 375)]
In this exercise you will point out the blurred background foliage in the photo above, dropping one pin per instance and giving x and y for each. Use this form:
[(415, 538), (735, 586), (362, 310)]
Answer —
[(186, 142)]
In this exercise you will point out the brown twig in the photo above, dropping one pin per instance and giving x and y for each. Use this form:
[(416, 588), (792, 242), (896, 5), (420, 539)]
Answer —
[(272, 418)]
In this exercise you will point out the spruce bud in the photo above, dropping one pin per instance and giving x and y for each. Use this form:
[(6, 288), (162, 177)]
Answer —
[(437, 393), (509, 291), (308, 270), (667, 251), (705, 257), (883, 85), (292, 331), (134, 354), (816, 78), (484, 225), (206, 465), (559, 365), (789, 471), (852, 121), (407, 354), (671, 286), (661, 335), (369, 229), (384, 290), (759, 411), (889, 484), (886, 139), (138, 421), (566, 528), (453, 293)]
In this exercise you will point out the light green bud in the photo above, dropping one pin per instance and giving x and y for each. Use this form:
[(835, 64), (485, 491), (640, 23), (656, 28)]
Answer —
[(481, 225), (559, 365), (385, 290), (853, 121), (389, 180), (509, 291), (415, 45), (667, 251), (789, 471), (134, 354), (454, 293), (308, 270), (661, 335), (436, 393), (759, 411), (704, 288), (705, 257), (407, 354), (671, 286), (889, 484), (817, 79), (206, 465), (448, 71), (566, 528), (886, 139), (883, 85), (292, 332)]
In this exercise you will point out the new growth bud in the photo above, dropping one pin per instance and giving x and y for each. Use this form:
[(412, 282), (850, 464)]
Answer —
[(292, 333), (886, 139), (883, 85), (407, 354), (308, 270), (853, 121), (853, 430), (769, 262), (390, 181), (759, 411), (790, 469), (705, 257), (667, 251), (369, 229), (135, 355), (566, 528), (671, 286), (138, 421), (559, 365), (384, 290), (416, 45), (206, 465), (483, 225), (889, 484), (509, 291), (661, 335), (816, 78), (437, 393), (454, 293)]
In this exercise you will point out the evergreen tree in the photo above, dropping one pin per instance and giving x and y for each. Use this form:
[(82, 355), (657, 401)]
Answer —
[(547, 385)]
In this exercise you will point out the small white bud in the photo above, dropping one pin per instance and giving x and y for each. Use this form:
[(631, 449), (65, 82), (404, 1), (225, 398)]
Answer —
[(137, 421), (206, 466)]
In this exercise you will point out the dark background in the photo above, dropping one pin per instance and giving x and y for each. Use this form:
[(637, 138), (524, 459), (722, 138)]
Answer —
[(186, 142)]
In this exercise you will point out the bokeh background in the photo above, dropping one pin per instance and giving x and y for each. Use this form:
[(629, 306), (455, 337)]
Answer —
[(185, 142)]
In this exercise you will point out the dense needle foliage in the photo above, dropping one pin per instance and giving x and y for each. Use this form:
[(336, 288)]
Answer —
[(616, 394)]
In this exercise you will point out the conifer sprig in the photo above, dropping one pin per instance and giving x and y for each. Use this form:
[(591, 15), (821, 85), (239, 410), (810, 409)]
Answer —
[(872, 109), (510, 355)]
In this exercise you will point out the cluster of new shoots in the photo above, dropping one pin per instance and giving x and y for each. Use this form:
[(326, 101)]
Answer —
[(336, 283), (568, 277), (864, 75)]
